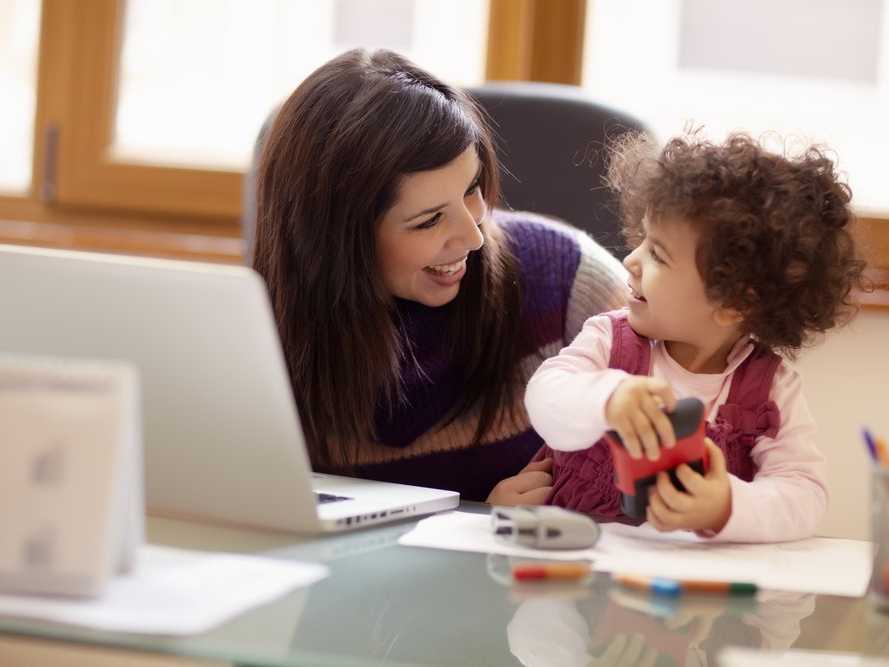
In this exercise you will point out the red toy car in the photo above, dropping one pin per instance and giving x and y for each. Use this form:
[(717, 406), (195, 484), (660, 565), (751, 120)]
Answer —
[(634, 476)]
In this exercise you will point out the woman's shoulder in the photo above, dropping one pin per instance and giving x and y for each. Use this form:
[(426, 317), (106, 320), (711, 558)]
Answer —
[(546, 249), (562, 269), (538, 239), (525, 225)]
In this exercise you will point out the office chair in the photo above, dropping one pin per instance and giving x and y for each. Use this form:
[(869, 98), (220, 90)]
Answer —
[(551, 142)]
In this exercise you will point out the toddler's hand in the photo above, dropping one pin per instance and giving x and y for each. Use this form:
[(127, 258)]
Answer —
[(634, 411), (706, 504)]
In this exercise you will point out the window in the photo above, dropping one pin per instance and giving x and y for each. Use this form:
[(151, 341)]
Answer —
[(176, 92), (198, 78), (146, 110), (19, 28), (133, 132), (808, 71)]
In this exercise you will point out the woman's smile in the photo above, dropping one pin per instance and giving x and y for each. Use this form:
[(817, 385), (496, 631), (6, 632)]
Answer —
[(447, 274)]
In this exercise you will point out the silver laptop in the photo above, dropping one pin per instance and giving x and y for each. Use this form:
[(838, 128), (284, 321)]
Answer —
[(222, 436)]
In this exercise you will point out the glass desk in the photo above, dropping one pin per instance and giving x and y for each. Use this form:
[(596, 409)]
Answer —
[(384, 604)]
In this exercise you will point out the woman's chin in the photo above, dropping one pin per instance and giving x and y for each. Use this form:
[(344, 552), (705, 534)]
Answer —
[(435, 290), (443, 300), (440, 296)]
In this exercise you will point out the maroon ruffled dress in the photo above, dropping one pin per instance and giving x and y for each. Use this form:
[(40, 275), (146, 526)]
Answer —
[(584, 480)]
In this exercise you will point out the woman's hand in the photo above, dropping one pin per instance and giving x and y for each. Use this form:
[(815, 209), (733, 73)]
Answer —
[(706, 504), (636, 411), (531, 486)]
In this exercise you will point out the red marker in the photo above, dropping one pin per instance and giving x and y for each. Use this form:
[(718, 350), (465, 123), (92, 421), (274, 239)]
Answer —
[(550, 571)]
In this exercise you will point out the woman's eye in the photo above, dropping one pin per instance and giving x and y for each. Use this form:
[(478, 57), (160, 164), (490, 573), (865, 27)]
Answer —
[(431, 222), (435, 219)]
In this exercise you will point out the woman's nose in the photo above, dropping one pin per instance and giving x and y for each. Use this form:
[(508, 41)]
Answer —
[(468, 234)]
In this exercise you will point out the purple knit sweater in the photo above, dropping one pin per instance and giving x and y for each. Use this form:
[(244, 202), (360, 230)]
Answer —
[(565, 278)]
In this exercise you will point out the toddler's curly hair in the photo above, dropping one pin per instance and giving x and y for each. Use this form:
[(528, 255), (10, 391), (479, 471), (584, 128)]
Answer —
[(774, 239)]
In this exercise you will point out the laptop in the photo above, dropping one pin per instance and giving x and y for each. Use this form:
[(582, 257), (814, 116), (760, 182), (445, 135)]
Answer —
[(221, 432)]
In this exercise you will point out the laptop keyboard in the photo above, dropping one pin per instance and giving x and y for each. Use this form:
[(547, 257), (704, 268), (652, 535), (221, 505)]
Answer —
[(322, 498)]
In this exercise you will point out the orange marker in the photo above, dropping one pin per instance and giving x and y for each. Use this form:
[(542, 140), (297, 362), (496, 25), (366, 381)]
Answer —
[(882, 450)]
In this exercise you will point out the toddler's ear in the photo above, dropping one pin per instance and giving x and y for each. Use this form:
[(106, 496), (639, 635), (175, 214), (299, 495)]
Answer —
[(727, 317)]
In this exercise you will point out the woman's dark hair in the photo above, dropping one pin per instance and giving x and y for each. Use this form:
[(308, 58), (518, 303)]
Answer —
[(329, 171), (774, 239)]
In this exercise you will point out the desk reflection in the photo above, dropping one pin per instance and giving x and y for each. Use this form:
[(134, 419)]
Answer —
[(603, 625), (396, 605)]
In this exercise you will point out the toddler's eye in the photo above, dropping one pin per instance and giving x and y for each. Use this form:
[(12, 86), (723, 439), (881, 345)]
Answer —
[(657, 258)]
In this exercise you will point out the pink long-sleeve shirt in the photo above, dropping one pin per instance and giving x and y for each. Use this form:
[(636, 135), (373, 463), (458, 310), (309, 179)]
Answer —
[(787, 498)]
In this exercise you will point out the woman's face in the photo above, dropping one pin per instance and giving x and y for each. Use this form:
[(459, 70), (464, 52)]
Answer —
[(424, 239)]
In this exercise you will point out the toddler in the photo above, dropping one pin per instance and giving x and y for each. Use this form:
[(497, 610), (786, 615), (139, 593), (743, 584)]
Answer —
[(740, 257)]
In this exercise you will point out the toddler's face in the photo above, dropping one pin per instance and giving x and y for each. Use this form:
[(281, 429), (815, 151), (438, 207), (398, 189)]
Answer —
[(668, 300)]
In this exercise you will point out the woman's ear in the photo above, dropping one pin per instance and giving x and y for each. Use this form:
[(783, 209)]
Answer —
[(727, 317)]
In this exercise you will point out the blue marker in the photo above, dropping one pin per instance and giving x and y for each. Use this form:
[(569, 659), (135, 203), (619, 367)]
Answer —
[(655, 585), (675, 587), (871, 445)]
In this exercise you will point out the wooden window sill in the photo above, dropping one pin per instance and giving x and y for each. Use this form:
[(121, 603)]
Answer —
[(208, 242), (879, 298), (220, 241)]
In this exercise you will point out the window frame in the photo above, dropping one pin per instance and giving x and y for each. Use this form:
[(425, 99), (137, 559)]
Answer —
[(80, 198), (80, 61), (80, 50)]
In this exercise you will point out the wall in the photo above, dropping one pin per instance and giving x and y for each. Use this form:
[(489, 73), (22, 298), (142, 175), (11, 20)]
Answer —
[(847, 385)]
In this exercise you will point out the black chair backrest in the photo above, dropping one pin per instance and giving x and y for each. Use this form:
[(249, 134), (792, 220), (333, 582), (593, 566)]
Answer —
[(551, 142)]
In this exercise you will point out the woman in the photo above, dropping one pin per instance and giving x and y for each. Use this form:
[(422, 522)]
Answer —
[(410, 313)]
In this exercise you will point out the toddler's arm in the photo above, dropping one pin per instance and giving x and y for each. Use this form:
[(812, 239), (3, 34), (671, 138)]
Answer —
[(788, 496), (566, 396)]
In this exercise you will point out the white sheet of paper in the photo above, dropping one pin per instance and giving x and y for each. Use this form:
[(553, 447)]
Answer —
[(463, 531), (816, 565), (173, 592), (745, 657)]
